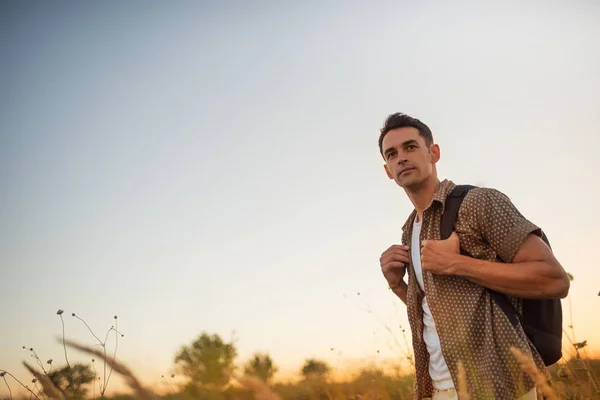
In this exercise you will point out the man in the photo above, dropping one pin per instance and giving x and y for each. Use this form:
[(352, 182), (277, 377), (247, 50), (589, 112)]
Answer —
[(452, 316)]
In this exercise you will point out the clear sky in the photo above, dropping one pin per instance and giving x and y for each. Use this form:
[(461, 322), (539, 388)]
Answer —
[(196, 167)]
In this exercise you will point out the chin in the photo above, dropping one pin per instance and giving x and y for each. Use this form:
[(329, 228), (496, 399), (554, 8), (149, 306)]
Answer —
[(409, 182)]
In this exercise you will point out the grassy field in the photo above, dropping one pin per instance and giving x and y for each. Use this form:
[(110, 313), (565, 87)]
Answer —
[(207, 369), (575, 378)]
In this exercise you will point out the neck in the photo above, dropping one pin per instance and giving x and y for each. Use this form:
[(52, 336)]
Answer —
[(422, 195)]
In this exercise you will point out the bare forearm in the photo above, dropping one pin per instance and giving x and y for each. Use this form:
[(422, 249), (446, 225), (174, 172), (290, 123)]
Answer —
[(400, 290), (528, 279)]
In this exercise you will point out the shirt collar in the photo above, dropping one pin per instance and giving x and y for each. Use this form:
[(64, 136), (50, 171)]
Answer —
[(442, 189)]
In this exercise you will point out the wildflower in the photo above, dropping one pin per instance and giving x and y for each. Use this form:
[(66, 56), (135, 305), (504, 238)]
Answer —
[(73, 314), (115, 317), (49, 361), (59, 312), (580, 345), (2, 374)]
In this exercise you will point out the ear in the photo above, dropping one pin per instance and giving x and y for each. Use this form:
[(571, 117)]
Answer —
[(387, 171), (435, 153)]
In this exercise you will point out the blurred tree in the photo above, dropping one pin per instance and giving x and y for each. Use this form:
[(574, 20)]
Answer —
[(261, 366), (71, 381), (206, 363), (314, 369)]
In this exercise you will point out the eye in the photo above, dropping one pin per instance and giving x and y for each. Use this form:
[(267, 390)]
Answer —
[(391, 154), (410, 147)]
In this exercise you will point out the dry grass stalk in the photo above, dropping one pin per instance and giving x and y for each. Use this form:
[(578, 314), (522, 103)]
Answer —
[(463, 394), (140, 391), (540, 380), (49, 388), (259, 388)]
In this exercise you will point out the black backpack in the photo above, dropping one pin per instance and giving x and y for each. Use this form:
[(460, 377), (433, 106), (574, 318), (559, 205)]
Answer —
[(541, 319)]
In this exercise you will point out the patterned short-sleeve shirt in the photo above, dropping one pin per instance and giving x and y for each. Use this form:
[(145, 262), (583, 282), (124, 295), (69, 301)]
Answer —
[(471, 327)]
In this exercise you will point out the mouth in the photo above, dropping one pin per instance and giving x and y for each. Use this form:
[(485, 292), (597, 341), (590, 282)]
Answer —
[(405, 171)]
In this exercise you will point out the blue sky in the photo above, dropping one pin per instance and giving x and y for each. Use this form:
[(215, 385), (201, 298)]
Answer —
[(214, 167)]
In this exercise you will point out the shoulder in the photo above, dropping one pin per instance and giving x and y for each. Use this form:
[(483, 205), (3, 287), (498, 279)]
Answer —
[(485, 208), (482, 198), (484, 193)]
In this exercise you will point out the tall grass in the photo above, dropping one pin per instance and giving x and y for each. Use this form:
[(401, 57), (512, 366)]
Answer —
[(574, 377)]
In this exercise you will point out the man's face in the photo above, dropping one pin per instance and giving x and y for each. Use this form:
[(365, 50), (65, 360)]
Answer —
[(408, 160)]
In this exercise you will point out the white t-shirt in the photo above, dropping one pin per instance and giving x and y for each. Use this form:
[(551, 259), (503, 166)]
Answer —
[(438, 369)]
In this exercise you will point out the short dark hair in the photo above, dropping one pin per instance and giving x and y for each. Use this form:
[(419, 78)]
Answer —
[(400, 120)]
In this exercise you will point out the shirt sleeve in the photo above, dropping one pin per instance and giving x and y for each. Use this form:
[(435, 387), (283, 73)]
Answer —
[(499, 222)]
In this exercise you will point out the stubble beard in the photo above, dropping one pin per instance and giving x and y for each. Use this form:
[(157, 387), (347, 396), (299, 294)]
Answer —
[(414, 184), (409, 180)]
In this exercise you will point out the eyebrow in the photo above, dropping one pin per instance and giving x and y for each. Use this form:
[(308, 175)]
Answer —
[(404, 144)]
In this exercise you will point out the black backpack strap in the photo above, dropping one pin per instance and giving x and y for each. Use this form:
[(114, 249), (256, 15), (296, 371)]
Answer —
[(451, 207), (509, 310)]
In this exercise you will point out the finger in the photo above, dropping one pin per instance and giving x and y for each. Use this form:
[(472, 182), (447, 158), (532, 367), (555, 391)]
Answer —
[(426, 263), (393, 252), (394, 265), (396, 247), (401, 251), (394, 257), (404, 256)]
